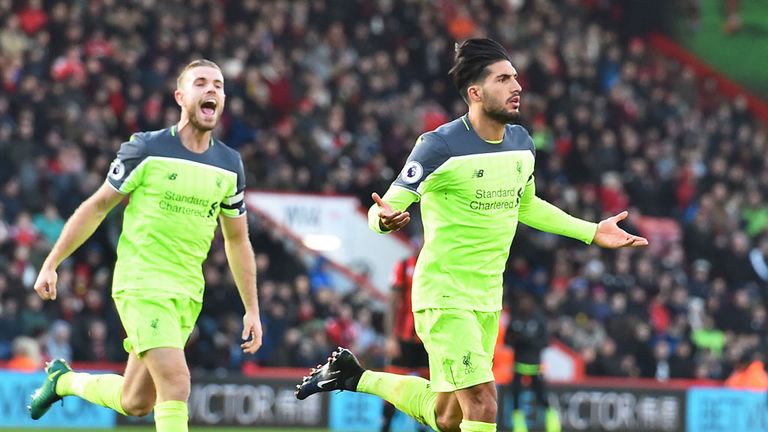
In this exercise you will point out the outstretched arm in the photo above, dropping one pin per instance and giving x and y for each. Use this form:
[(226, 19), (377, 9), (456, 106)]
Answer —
[(539, 214), (77, 230), (242, 264)]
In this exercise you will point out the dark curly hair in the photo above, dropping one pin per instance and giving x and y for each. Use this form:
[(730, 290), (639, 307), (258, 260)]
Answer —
[(473, 56)]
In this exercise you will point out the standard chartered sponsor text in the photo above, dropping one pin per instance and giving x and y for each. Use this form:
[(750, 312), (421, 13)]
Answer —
[(493, 205), (486, 199), (187, 205), (495, 193)]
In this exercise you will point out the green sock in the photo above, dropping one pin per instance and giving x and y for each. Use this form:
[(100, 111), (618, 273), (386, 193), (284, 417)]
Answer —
[(100, 389), (518, 419), (552, 421), (476, 426), (410, 394), (171, 416)]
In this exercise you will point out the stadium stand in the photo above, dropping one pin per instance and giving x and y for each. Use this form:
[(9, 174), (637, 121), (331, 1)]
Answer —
[(328, 97)]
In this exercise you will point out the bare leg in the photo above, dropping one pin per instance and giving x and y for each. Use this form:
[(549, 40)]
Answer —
[(138, 390)]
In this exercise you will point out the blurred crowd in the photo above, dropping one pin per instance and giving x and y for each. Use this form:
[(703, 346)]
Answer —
[(328, 97)]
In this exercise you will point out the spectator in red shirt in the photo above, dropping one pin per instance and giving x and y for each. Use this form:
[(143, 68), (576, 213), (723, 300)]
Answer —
[(32, 17), (342, 330)]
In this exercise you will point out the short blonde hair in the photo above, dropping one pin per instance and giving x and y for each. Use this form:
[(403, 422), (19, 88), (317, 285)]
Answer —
[(194, 64)]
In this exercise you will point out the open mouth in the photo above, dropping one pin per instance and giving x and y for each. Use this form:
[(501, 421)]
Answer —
[(208, 107)]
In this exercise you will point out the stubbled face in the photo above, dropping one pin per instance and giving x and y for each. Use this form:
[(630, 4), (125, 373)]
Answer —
[(202, 96), (500, 93)]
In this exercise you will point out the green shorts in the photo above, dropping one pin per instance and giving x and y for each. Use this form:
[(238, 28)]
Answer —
[(460, 344), (156, 322)]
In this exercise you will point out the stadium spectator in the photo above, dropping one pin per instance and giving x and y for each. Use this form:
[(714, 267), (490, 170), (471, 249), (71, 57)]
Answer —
[(32, 318), (681, 364), (749, 373), (58, 344), (48, 223), (25, 355), (9, 326)]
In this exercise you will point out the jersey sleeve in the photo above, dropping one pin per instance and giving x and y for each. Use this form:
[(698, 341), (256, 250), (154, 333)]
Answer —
[(539, 214), (234, 204), (429, 153), (398, 198), (531, 144), (126, 171)]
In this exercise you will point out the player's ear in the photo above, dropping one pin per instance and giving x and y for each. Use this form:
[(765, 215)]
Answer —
[(179, 96), (475, 93)]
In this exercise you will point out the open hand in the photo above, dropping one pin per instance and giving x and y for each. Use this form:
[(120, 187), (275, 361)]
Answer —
[(610, 236), (389, 219)]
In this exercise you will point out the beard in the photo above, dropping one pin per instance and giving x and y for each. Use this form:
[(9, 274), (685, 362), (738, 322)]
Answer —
[(199, 125), (498, 113)]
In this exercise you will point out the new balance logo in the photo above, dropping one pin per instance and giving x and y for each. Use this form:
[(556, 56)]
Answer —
[(172, 176), (478, 173)]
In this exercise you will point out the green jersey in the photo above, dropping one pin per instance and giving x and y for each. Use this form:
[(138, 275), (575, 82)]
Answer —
[(176, 196), (472, 192)]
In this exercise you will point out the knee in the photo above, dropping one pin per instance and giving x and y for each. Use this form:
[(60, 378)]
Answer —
[(181, 380), (137, 406), (449, 425), (449, 422), (176, 386), (489, 407), (482, 407)]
